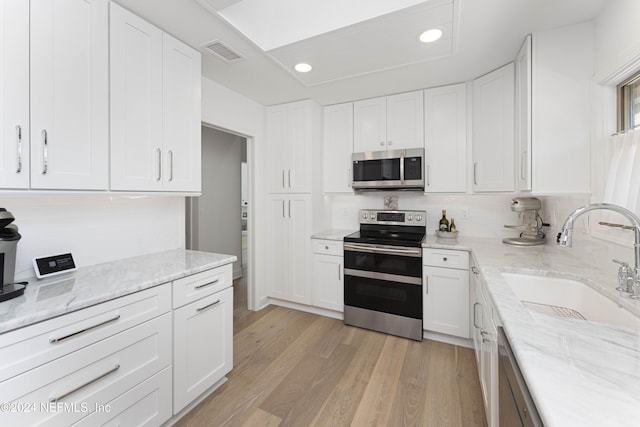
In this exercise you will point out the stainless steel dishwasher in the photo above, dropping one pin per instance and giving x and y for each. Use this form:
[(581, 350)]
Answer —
[(515, 405)]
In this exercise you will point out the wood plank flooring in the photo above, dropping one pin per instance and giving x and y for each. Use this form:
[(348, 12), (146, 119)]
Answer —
[(298, 369)]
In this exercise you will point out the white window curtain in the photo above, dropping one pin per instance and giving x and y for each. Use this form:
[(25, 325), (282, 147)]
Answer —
[(622, 185)]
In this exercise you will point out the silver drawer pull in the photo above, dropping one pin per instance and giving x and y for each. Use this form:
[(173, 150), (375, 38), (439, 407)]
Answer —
[(208, 306), (45, 152), (99, 377), (206, 284), (170, 165), (19, 148), (159, 153), (73, 334)]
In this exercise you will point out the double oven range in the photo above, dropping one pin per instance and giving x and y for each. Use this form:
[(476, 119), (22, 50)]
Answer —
[(383, 272)]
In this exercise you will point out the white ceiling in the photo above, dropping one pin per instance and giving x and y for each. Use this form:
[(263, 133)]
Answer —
[(376, 56)]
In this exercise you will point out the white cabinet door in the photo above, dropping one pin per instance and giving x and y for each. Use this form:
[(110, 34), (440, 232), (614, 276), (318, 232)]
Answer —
[(181, 122), (523, 116), (203, 346), (290, 137), (337, 147), (370, 125), (405, 121), (445, 123), (328, 282), (69, 94), (136, 102), (14, 90), (446, 301), (493, 131), (289, 235)]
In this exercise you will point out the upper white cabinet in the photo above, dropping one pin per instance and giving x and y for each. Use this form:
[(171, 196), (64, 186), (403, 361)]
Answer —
[(136, 102), (389, 123), (337, 147), (445, 127), (523, 116), (69, 94), (493, 131), (292, 130), (562, 70), (14, 87), (155, 108)]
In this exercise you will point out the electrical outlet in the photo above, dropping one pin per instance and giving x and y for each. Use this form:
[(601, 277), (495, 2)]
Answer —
[(465, 213)]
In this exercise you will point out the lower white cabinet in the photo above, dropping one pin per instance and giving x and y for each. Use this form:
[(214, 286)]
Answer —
[(328, 275), (446, 291), (485, 344), (203, 346)]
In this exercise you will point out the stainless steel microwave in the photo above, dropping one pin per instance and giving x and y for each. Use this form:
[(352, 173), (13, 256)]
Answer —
[(388, 170)]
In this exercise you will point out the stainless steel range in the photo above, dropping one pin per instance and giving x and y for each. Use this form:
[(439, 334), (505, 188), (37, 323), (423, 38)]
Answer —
[(383, 272)]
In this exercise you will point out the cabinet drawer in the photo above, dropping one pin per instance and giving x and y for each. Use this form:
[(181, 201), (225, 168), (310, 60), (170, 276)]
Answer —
[(445, 258), (148, 404), (29, 347), (74, 385), (199, 285), (327, 247)]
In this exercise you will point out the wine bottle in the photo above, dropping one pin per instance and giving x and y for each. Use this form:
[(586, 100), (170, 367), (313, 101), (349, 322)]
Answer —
[(452, 226), (444, 222)]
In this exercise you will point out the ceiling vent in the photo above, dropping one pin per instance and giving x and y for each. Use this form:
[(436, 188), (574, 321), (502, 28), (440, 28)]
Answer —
[(223, 51)]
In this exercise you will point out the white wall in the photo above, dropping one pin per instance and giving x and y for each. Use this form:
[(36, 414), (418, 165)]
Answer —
[(228, 110), (95, 229)]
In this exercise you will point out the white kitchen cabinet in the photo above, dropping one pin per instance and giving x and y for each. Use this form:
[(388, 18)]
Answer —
[(292, 131), (289, 237), (485, 345), (523, 116), (328, 275), (69, 74), (493, 131), (337, 148), (445, 127), (389, 123), (203, 346), (14, 86), (446, 291), (155, 108), (88, 357), (562, 74)]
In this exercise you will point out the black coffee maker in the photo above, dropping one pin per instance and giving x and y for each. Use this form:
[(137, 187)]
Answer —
[(9, 238)]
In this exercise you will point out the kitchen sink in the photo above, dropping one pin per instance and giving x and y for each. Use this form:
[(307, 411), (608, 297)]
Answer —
[(562, 297)]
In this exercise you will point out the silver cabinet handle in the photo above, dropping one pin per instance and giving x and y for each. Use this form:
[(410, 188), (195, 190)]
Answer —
[(382, 143), (289, 208), (45, 152), (289, 178), (339, 272), (283, 186), (99, 377), (475, 323), (349, 177), (170, 165), (206, 284), (474, 269), (426, 284), (159, 153), (283, 214), (390, 142), (207, 306), (475, 173), (19, 147), (81, 331)]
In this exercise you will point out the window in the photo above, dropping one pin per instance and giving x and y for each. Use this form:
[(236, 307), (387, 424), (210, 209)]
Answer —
[(629, 103)]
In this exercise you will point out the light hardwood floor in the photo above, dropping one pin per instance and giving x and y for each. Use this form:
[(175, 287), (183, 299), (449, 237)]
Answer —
[(298, 369)]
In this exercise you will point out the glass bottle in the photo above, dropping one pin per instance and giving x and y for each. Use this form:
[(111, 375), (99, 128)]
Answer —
[(444, 222)]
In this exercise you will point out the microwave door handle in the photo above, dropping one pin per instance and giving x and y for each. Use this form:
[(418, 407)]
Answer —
[(401, 169)]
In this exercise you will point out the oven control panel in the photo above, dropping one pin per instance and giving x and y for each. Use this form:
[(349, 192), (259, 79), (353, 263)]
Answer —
[(368, 216)]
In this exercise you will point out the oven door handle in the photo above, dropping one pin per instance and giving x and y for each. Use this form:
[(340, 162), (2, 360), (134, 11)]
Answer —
[(383, 276), (413, 252)]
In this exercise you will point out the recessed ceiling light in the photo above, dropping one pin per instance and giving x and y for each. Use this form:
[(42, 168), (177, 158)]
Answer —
[(430, 35), (303, 67)]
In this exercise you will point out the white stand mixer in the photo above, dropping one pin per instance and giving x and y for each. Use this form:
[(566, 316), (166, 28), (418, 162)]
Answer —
[(531, 223)]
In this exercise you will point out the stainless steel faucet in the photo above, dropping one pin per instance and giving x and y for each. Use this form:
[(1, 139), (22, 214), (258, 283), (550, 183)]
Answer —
[(632, 277)]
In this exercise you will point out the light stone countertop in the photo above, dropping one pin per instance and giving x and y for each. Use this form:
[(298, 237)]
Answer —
[(580, 373), (87, 286), (332, 234)]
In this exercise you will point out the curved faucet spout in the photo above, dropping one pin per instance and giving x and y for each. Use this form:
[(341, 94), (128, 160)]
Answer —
[(567, 227)]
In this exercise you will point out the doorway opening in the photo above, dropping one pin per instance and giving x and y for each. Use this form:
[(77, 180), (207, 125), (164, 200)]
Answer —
[(219, 220)]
